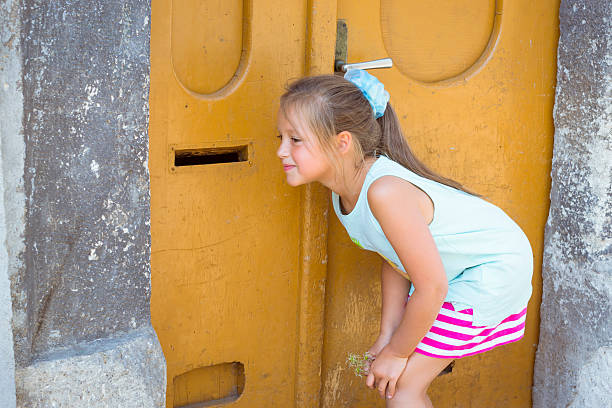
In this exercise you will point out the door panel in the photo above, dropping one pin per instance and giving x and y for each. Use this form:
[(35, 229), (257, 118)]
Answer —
[(474, 92), (225, 236), (209, 40), (433, 41)]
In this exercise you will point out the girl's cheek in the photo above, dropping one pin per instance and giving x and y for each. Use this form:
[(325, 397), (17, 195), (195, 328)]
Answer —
[(295, 152)]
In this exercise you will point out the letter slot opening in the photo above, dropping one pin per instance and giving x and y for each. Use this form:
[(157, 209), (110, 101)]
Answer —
[(210, 155)]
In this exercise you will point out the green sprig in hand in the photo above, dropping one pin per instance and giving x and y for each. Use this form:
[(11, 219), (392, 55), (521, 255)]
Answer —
[(360, 363)]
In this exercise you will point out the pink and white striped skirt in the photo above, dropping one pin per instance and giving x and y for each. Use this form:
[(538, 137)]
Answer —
[(453, 335)]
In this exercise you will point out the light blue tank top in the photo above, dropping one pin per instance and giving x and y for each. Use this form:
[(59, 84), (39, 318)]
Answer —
[(486, 256)]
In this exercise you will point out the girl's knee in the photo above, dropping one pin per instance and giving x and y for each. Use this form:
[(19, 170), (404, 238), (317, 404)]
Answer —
[(414, 388), (409, 398), (412, 382), (418, 375)]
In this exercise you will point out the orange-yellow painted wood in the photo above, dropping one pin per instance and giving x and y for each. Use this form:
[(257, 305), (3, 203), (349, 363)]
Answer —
[(207, 42), (320, 45), (430, 41), (220, 382), (239, 258), (225, 237), (488, 126)]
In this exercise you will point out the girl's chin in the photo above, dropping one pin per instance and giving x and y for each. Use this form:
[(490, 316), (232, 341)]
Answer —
[(293, 182)]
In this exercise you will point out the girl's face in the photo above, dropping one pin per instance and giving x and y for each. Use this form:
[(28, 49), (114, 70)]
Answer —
[(300, 153)]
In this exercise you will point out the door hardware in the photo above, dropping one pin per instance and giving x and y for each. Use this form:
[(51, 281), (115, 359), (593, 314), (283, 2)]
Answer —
[(341, 66)]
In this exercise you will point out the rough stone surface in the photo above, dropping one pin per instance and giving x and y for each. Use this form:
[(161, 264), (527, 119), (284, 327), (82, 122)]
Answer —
[(11, 185), (593, 386), (87, 237), (573, 364), (121, 372), (75, 206), (7, 359)]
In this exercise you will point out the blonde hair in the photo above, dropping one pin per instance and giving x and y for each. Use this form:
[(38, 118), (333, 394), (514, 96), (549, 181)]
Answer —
[(330, 104)]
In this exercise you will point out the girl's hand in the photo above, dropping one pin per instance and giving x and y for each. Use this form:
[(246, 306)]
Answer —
[(385, 371), (379, 344)]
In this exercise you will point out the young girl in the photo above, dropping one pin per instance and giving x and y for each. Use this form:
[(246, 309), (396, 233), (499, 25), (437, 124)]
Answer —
[(470, 265)]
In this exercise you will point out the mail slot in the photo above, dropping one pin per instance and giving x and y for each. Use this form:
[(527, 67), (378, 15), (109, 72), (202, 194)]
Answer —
[(210, 155)]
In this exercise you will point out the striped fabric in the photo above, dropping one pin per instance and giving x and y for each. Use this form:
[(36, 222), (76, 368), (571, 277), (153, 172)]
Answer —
[(453, 336)]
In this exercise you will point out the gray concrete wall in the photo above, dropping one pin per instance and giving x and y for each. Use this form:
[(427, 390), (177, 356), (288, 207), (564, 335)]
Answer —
[(12, 199), (7, 359), (574, 358), (76, 190), (87, 239)]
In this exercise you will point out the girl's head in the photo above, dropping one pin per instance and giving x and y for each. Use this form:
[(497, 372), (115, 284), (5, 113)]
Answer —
[(321, 108), (327, 105)]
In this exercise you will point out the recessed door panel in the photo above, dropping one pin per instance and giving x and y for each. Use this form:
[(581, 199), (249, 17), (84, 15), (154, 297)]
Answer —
[(209, 41), (433, 41)]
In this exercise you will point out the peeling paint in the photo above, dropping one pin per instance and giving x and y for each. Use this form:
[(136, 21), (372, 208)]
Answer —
[(332, 387)]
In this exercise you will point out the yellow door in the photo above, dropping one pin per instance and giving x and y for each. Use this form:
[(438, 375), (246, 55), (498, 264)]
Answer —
[(238, 257), (240, 260), (473, 84)]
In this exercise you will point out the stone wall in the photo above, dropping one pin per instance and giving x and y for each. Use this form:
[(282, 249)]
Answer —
[(574, 358), (78, 195), (12, 199)]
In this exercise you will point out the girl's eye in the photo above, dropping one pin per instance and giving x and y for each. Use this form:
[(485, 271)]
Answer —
[(292, 138)]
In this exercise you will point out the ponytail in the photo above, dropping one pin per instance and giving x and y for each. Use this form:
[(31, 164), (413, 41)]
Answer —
[(394, 145)]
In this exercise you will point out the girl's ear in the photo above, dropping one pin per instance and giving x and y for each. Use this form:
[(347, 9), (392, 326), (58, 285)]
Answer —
[(344, 142)]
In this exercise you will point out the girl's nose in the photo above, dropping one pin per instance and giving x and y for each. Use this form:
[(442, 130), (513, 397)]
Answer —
[(282, 151)]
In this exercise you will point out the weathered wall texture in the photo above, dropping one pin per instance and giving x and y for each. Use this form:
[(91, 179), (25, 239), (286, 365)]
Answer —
[(12, 199), (574, 359), (79, 268), (85, 86), (108, 373)]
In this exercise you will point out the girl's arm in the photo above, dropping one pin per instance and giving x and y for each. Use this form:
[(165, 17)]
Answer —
[(394, 288), (400, 209)]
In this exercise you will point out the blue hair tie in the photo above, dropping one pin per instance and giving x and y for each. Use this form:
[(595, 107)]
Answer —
[(372, 89)]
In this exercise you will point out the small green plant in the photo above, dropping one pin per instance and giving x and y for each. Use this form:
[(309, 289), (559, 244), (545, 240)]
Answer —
[(360, 363)]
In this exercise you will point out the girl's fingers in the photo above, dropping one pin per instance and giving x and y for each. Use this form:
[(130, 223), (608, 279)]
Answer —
[(391, 388), (382, 386), (370, 381)]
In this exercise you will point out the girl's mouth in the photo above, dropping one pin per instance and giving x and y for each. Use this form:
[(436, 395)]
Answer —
[(288, 167)]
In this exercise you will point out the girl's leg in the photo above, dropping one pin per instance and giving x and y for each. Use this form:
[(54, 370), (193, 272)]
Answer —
[(411, 388)]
